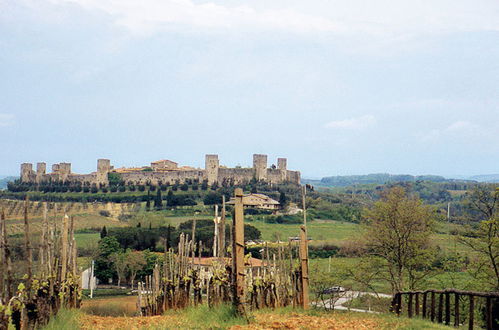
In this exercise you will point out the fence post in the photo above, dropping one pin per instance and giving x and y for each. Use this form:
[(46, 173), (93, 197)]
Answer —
[(447, 308), (417, 304), (304, 266), (489, 313), (409, 305), (440, 307), (425, 296), (238, 252), (432, 312), (472, 312), (456, 310)]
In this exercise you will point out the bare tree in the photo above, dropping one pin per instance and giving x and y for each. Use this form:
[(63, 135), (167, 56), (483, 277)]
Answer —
[(398, 232)]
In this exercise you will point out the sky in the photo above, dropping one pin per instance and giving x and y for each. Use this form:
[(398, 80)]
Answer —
[(337, 87)]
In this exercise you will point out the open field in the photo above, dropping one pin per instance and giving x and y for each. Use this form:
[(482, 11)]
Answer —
[(222, 317)]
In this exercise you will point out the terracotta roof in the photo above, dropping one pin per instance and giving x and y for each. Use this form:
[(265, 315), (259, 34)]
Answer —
[(208, 261), (163, 160), (248, 199)]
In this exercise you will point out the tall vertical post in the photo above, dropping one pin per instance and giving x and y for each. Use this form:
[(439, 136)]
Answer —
[(221, 236), (303, 195), (193, 241), (2, 258), (92, 282), (27, 243), (215, 234), (304, 266), (6, 261), (238, 253), (64, 247)]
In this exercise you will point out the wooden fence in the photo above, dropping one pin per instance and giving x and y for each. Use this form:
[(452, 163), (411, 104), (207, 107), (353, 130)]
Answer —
[(444, 306)]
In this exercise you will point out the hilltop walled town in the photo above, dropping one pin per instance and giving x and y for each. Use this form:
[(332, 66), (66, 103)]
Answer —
[(165, 171)]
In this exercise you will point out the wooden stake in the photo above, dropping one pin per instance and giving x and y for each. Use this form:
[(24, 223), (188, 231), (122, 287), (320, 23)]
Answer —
[(2, 257), (222, 231), (27, 241), (304, 266), (64, 247), (215, 233), (238, 253)]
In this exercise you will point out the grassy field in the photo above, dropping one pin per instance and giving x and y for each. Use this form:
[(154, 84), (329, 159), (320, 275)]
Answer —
[(331, 231), (223, 317)]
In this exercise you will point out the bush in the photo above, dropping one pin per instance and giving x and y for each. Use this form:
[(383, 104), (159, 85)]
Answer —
[(105, 213)]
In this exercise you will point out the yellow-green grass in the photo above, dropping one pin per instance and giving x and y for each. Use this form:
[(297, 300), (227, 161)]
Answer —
[(330, 231)]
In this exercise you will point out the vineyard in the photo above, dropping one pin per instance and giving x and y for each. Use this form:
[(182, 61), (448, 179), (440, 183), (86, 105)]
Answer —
[(51, 278)]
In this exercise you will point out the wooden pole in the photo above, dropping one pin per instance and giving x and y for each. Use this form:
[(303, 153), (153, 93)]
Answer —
[(456, 310), (472, 312), (221, 236), (440, 307), (215, 233), (447, 308), (425, 294), (304, 193), (416, 310), (2, 257), (238, 253), (304, 266), (29, 252), (409, 306), (7, 262), (193, 240), (488, 311), (432, 307), (64, 248)]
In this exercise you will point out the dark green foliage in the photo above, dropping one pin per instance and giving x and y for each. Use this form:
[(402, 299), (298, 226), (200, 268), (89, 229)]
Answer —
[(114, 178), (103, 232), (212, 198), (103, 265), (283, 200), (158, 202)]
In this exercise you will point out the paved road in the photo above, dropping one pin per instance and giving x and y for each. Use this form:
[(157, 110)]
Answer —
[(347, 296)]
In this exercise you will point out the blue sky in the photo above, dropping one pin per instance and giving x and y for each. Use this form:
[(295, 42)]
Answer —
[(337, 87)]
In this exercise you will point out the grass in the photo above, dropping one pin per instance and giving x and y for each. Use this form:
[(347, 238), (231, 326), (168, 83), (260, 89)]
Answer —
[(117, 313), (86, 240), (330, 231), (111, 306), (65, 319)]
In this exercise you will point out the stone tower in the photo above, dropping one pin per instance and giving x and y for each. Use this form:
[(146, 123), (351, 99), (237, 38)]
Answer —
[(41, 170), (211, 166), (103, 168), (282, 166), (26, 172), (260, 166), (64, 171)]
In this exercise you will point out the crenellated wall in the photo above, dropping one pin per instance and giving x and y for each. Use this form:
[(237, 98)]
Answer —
[(212, 172)]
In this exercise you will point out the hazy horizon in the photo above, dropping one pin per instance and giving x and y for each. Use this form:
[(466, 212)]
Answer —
[(338, 88)]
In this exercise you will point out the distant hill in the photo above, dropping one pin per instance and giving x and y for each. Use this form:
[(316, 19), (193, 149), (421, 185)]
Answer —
[(493, 178), (376, 178), (6, 179)]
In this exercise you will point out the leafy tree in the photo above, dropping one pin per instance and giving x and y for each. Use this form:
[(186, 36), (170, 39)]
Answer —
[(283, 200), (136, 262), (104, 267), (484, 240), (148, 201), (158, 202), (398, 229), (103, 232), (212, 198), (120, 263)]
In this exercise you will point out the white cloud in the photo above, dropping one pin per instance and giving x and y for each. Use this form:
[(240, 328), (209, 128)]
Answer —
[(6, 119), (456, 130), (149, 16), (397, 20), (358, 123)]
